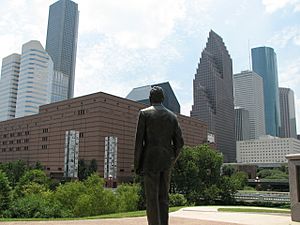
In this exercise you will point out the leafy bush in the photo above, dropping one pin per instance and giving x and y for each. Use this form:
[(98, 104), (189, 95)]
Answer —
[(177, 200), (37, 206), (128, 197)]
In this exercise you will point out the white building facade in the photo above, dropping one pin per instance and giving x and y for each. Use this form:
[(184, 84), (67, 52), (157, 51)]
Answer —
[(267, 149), (249, 94), (9, 86), (35, 80)]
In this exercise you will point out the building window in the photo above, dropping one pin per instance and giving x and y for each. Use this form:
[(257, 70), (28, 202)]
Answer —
[(3, 149), (44, 138), (26, 132), (45, 130), (26, 140), (25, 148), (44, 146), (81, 135), (81, 112)]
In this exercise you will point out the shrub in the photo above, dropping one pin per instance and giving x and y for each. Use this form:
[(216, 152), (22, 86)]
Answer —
[(177, 200), (128, 197), (37, 206)]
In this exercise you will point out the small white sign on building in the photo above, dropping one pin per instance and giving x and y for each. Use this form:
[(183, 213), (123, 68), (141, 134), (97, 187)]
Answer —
[(110, 157), (71, 154)]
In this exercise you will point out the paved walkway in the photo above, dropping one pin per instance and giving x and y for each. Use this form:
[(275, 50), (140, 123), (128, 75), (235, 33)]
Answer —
[(185, 216)]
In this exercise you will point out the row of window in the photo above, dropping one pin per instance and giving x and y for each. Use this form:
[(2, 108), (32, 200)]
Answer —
[(25, 148)]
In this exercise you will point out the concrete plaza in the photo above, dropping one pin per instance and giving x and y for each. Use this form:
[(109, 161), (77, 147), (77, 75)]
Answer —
[(186, 216)]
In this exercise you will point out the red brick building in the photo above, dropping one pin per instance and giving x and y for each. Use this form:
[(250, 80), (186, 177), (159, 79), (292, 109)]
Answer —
[(41, 137)]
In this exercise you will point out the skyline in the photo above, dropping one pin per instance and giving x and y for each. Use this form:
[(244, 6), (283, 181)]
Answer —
[(122, 45)]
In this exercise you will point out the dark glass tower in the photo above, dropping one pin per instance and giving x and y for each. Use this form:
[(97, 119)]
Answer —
[(213, 95), (264, 63), (61, 43)]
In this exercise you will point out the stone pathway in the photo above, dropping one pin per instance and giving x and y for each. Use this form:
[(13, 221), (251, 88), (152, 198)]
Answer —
[(187, 216)]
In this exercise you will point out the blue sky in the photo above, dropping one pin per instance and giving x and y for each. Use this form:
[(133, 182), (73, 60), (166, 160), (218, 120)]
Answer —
[(123, 44)]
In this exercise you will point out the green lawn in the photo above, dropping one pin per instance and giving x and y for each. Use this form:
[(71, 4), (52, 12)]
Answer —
[(107, 216), (254, 210)]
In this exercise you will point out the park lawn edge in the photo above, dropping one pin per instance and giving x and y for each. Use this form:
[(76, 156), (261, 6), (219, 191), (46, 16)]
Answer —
[(254, 210), (140, 213)]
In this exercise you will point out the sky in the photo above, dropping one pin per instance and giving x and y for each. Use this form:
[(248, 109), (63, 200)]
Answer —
[(124, 44)]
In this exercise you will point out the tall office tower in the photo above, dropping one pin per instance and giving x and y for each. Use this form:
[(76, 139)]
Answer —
[(249, 94), (287, 112), (9, 86), (213, 95), (242, 124), (61, 45), (35, 80), (264, 63)]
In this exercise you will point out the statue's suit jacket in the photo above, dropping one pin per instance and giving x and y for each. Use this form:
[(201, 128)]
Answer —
[(158, 139)]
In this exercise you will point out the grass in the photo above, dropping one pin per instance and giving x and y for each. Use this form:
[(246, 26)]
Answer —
[(253, 210), (106, 216)]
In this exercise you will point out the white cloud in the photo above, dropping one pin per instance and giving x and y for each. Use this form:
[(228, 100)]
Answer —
[(272, 6), (131, 23), (288, 34)]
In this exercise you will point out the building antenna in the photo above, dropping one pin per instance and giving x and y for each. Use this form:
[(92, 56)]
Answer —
[(249, 55)]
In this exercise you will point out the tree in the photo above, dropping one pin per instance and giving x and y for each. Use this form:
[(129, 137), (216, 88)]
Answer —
[(33, 181), (86, 169), (4, 192), (14, 171), (228, 170), (196, 174), (240, 179)]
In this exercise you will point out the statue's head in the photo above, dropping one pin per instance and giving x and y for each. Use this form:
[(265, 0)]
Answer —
[(156, 95)]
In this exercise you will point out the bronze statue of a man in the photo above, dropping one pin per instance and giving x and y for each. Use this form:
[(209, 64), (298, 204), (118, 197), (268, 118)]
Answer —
[(158, 143)]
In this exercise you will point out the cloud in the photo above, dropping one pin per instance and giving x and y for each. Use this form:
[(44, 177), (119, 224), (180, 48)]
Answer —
[(287, 35), (131, 23), (272, 6)]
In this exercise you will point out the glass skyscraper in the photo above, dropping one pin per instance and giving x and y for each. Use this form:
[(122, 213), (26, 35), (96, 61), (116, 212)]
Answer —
[(264, 63), (61, 45), (213, 95)]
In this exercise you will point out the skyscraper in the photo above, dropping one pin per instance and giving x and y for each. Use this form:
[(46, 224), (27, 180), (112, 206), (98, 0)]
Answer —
[(249, 94), (287, 112), (141, 94), (213, 95), (35, 80), (264, 63), (242, 124), (9, 86), (61, 45)]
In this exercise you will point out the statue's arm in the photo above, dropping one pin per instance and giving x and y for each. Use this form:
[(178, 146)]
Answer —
[(178, 141), (139, 140)]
